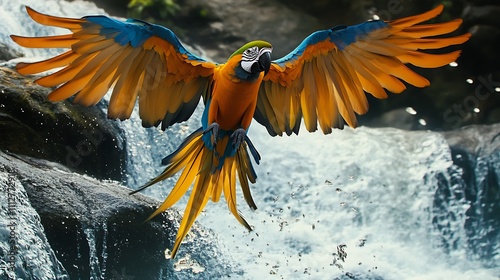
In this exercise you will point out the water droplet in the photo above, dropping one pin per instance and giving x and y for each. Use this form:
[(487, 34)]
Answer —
[(411, 111), (362, 242)]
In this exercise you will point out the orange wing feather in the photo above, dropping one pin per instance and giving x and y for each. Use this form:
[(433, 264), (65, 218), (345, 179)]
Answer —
[(324, 83), (168, 80)]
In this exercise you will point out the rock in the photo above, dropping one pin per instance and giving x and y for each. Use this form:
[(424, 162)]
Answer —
[(476, 156), (81, 138), (25, 252), (116, 8), (398, 118), (332, 13), (477, 140), (97, 230), (7, 53)]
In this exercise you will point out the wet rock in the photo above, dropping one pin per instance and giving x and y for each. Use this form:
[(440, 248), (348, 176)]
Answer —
[(25, 252), (97, 230), (476, 155), (476, 140), (7, 53), (398, 118), (81, 138)]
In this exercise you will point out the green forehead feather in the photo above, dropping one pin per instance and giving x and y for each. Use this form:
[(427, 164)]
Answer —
[(259, 44)]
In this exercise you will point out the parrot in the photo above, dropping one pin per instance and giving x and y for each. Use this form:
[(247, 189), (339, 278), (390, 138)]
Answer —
[(321, 84)]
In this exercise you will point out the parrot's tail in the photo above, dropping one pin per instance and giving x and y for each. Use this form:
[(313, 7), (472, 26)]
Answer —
[(212, 172)]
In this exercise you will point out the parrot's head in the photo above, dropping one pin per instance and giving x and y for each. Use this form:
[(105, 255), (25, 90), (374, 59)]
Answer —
[(255, 57)]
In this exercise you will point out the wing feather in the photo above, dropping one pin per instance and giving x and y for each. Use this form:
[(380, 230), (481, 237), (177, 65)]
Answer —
[(63, 76), (324, 80), (58, 41), (45, 65), (141, 60), (341, 94)]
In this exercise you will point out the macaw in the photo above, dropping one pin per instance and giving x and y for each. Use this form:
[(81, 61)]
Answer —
[(322, 82)]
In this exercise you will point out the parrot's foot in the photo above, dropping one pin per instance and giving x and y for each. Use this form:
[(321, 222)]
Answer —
[(214, 128), (238, 136)]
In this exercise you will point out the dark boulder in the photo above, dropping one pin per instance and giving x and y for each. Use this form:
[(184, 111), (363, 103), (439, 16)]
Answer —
[(80, 138), (7, 53), (476, 171)]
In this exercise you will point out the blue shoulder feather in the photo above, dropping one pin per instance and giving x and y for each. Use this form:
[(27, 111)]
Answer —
[(341, 36), (135, 32)]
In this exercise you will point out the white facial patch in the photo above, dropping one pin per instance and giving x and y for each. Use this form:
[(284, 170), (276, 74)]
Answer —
[(251, 56), (248, 58)]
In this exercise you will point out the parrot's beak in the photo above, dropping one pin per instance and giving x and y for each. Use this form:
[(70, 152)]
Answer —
[(265, 62)]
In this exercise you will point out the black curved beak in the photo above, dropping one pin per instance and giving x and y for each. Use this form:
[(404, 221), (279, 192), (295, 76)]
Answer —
[(265, 62)]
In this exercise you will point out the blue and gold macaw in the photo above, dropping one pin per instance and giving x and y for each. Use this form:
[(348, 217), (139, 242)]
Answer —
[(323, 81)]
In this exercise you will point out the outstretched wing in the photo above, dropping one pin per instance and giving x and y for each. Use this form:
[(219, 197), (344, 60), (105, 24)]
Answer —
[(143, 61), (323, 80)]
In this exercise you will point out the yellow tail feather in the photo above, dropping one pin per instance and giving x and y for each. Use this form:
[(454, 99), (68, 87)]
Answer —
[(201, 165)]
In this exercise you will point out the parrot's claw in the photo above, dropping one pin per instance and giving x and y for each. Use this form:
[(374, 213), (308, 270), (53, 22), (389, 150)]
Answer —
[(238, 136), (214, 128)]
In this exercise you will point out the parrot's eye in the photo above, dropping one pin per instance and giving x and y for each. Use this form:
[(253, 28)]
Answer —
[(249, 57), (251, 53)]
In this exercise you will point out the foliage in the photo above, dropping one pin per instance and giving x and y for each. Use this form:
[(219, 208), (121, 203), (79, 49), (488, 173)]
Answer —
[(159, 9)]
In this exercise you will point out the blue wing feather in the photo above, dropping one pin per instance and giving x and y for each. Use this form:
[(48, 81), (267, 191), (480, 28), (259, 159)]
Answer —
[(135, 32), (341, 36)]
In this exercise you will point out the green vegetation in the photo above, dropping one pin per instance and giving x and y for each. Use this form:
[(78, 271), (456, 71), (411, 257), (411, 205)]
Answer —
[(153, 9)]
